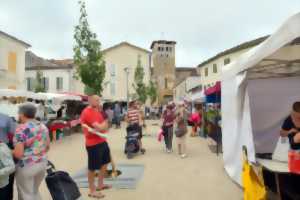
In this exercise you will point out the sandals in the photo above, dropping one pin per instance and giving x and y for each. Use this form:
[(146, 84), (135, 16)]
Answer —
[(96, 195), (104, 187)]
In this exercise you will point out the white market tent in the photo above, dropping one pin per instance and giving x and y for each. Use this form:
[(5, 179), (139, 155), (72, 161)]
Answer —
[(198, 97), (258, 91), (20, 93), (58, 99)]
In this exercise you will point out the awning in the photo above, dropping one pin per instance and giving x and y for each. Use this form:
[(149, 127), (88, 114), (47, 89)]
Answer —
[(82, 96), (215, 89)]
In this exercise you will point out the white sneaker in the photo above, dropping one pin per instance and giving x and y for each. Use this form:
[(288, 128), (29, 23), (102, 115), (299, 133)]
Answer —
[(183, 155), (169, 151)]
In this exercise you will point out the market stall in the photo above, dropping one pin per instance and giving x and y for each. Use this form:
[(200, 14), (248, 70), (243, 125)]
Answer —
[(258, 90), (212, 117), (57, 119), (11, 99)]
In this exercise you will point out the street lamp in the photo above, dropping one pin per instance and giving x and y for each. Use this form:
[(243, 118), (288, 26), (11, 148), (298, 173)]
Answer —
[(126, 69)]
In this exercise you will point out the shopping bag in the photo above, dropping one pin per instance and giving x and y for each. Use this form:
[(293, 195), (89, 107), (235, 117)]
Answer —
[(61, 186), (253, 184), (282, 149), (160, 135)]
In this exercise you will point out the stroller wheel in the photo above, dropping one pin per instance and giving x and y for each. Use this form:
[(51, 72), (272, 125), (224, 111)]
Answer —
[(143, 151), (129, 156)]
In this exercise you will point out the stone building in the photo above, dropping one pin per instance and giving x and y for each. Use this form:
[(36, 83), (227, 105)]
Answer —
[(163, 71), (12, 62)]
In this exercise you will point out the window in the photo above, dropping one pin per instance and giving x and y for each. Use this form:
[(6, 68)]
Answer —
[(30, 84), (215, 68), (59, 83), (112, 88), (112, 70), (167, 48), (162, 48), (158, 48), (12, 62), (206, 71), (226, 61), (45, 83), (166, 83), (170, 49)]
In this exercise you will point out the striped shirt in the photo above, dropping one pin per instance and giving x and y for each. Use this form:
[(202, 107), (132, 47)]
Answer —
[(133, 116)]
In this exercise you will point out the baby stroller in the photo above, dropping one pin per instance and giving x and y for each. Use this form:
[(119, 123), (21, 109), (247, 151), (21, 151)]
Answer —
[(132, 141)]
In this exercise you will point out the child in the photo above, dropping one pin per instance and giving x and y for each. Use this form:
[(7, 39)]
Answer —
[(7, 167)]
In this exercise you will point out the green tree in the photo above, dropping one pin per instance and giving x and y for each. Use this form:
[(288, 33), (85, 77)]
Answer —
[(88, 58), (38, 85), (152, 92), (139, 85)]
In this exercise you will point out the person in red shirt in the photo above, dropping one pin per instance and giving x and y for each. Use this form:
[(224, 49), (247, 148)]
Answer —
[(97, 148)]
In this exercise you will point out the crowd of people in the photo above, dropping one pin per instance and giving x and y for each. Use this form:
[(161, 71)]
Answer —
[(24, 145)]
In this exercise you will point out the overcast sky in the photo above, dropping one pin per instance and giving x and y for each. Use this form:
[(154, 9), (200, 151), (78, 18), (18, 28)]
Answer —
[(202, 28)]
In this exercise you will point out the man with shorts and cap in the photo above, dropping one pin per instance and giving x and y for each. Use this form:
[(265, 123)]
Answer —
[(97, 148)]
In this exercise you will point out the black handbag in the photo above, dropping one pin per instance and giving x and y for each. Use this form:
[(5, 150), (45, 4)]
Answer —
[(61, 186)]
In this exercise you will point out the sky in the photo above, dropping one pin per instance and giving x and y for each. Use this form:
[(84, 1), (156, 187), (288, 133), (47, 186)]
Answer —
[(201, 28)]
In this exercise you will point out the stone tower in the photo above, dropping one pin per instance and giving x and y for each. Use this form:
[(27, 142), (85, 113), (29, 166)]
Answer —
[(163, 71)]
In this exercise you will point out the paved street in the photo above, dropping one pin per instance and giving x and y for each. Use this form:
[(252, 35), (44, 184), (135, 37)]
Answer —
[(200, 176)]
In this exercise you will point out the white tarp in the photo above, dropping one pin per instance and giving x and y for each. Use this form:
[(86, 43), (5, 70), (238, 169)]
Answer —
[(257, 93), (21, 93), (60, 97), (198, 97)]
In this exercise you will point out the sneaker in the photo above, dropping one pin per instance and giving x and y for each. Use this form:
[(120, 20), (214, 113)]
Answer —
[(169, 151), (183, 155)]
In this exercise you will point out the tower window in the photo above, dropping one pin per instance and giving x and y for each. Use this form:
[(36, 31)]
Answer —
[(166, 83), (167, 48)]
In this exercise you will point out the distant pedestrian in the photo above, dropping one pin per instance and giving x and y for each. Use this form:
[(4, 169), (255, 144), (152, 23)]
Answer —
[(117, 115), (31, 143), (110, 115), (134, 119), (168, 118), (181, 129), (196, 118)]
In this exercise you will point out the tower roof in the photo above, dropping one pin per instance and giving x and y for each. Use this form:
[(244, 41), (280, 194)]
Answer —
[(162, 42)]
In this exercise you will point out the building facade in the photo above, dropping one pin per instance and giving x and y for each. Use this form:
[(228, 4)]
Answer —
[(163, 72), (211, 69), (12, 62), (56, 77), (184, 89), (118, 59)]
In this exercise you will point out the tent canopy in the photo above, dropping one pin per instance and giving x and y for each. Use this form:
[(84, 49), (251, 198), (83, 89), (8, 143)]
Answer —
[(213, 90), (258, 90), (213, 94), (20, 93), (198, 97), (60, 97)]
